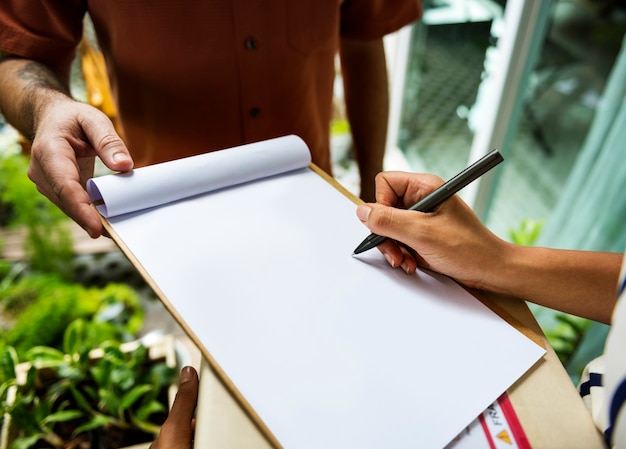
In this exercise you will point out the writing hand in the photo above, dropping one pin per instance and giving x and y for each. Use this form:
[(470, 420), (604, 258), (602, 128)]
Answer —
[(450, 240)]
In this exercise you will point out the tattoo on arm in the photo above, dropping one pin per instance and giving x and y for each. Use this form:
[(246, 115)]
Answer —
[(37, 75), (34, 82)]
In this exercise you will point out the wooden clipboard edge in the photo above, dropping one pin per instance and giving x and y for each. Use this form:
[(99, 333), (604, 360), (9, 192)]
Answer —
[(333, 182), (490, 302), (220, 374)]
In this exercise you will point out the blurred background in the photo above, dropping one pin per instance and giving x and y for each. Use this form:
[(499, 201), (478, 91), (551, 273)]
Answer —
[(542, 81)]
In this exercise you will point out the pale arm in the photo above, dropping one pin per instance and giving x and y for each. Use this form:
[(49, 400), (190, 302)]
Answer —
[(364, 72), (66, 135), (26, 86)]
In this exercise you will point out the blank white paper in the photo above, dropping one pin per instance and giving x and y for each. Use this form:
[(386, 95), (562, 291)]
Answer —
[(329, 350)]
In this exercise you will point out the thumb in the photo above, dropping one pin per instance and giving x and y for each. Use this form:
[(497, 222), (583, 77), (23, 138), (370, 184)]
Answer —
[(177, 430), (395, 224), (187, 396), (108, 145)]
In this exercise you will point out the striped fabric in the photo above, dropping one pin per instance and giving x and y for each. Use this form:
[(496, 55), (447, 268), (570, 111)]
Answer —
[(603, 384)]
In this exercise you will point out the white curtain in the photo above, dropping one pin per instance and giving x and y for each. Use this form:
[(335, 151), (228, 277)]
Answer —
[(591, 212)]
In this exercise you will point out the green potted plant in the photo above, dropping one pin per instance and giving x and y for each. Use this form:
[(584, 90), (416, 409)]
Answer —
[(35, 309), (113, 396), (47, 240), (56, 390)]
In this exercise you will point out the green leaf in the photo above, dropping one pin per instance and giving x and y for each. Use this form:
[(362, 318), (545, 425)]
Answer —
[(579, 325), (42, 408), (152, 407), (113, 354), (31, 378), (74, 337), (19, 414), (8, 362), (133, 395), (109, 402), (27, 442), (62, 416), (527, 233), (44, 356), (124, 377), (90, 391), (80, 399), (162, 375), (146, 426), (4, 393), (94, 423), (100, 374)]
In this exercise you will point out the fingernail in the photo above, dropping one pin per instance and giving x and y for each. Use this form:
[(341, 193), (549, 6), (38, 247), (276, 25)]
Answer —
[(363, 212), (186, 375), (120, 157), (391, 260)]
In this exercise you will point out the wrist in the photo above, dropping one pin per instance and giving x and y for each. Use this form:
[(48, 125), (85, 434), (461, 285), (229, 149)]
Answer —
[(44, 101), (41, 88), (508, 270)]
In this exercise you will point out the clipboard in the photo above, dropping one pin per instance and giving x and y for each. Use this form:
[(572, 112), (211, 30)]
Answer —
[(319, 348)]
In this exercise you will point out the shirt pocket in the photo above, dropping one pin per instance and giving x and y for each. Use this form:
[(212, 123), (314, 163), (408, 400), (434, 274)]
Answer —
[(312, 25)]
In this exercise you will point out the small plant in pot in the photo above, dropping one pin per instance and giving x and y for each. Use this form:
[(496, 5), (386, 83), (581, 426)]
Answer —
[(110, 397)]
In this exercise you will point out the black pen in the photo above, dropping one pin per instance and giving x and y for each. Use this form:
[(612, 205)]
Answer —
[(438, 196)]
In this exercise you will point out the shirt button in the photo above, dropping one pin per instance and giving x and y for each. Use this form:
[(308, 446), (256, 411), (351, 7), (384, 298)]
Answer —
[(255, 112), (250, 43)]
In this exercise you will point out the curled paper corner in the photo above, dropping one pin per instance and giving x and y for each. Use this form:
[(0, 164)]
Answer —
[(96, 197)]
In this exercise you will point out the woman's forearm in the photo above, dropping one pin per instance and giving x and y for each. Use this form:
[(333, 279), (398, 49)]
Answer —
[(582, 283)]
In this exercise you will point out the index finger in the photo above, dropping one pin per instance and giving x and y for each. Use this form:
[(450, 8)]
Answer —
[(75, 202), (55, 173)]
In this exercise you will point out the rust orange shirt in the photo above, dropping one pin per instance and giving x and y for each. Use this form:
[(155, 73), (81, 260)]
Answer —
[(191, 76)]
